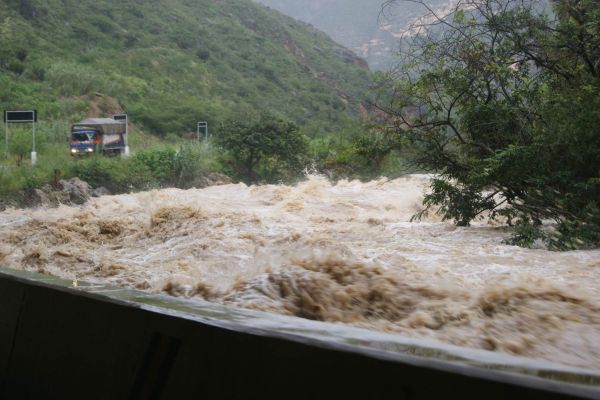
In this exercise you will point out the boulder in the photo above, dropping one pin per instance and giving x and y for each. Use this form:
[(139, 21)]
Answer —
[(77, 190)]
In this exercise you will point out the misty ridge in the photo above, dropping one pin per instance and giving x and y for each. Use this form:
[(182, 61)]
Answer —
[(370, 28)]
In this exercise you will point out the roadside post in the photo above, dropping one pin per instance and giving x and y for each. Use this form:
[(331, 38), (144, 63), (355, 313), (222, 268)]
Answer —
[(123, 117), (21, 117), (202, 125)]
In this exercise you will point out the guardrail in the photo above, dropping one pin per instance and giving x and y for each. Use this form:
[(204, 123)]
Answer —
[(68, 343)]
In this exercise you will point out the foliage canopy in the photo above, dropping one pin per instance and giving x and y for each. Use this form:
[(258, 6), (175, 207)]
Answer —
[(503, 99)]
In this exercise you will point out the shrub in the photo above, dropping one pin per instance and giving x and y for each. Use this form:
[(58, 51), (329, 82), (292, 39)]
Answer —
[(264, 148), (160, 162), (96, 171)]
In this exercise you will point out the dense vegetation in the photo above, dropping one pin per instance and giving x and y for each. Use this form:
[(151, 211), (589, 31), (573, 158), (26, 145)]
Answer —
[(503, 101), (171, 64)]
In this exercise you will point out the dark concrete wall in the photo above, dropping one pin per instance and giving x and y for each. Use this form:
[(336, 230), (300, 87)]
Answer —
[(62, 344)]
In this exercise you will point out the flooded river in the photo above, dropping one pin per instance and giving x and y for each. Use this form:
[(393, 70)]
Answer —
[(343, 253)]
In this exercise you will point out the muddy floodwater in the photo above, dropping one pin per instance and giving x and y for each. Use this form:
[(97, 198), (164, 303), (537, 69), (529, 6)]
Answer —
[(344, 253)]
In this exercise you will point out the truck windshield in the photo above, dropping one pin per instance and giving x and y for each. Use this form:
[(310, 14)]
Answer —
[(82, 136)]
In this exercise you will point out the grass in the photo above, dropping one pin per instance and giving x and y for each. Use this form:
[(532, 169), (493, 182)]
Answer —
[(159, 165)]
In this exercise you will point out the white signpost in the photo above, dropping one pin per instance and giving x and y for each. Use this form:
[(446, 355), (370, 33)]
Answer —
[(123, 117), (202, 125), (21, 117)]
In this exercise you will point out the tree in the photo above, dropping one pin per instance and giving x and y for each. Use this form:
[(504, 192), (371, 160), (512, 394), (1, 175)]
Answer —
[(503, 99), (264, 149)]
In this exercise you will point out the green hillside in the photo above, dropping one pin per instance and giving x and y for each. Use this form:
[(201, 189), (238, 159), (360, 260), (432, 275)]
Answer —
[(170, 63)]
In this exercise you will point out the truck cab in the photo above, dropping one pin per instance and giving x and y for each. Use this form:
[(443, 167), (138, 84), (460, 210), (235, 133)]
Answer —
[(83, 141)]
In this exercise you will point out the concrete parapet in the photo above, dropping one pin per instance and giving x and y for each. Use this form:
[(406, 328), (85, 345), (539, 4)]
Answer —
[(57, 342)]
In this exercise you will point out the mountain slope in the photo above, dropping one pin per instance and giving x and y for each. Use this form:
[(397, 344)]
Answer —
[(358, 24), (169, 63)]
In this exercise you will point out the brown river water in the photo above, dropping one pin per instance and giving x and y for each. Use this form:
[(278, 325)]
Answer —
[(342, 253)]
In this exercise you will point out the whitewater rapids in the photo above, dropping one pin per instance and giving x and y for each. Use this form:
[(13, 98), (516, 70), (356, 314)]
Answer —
[(343, 253)]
